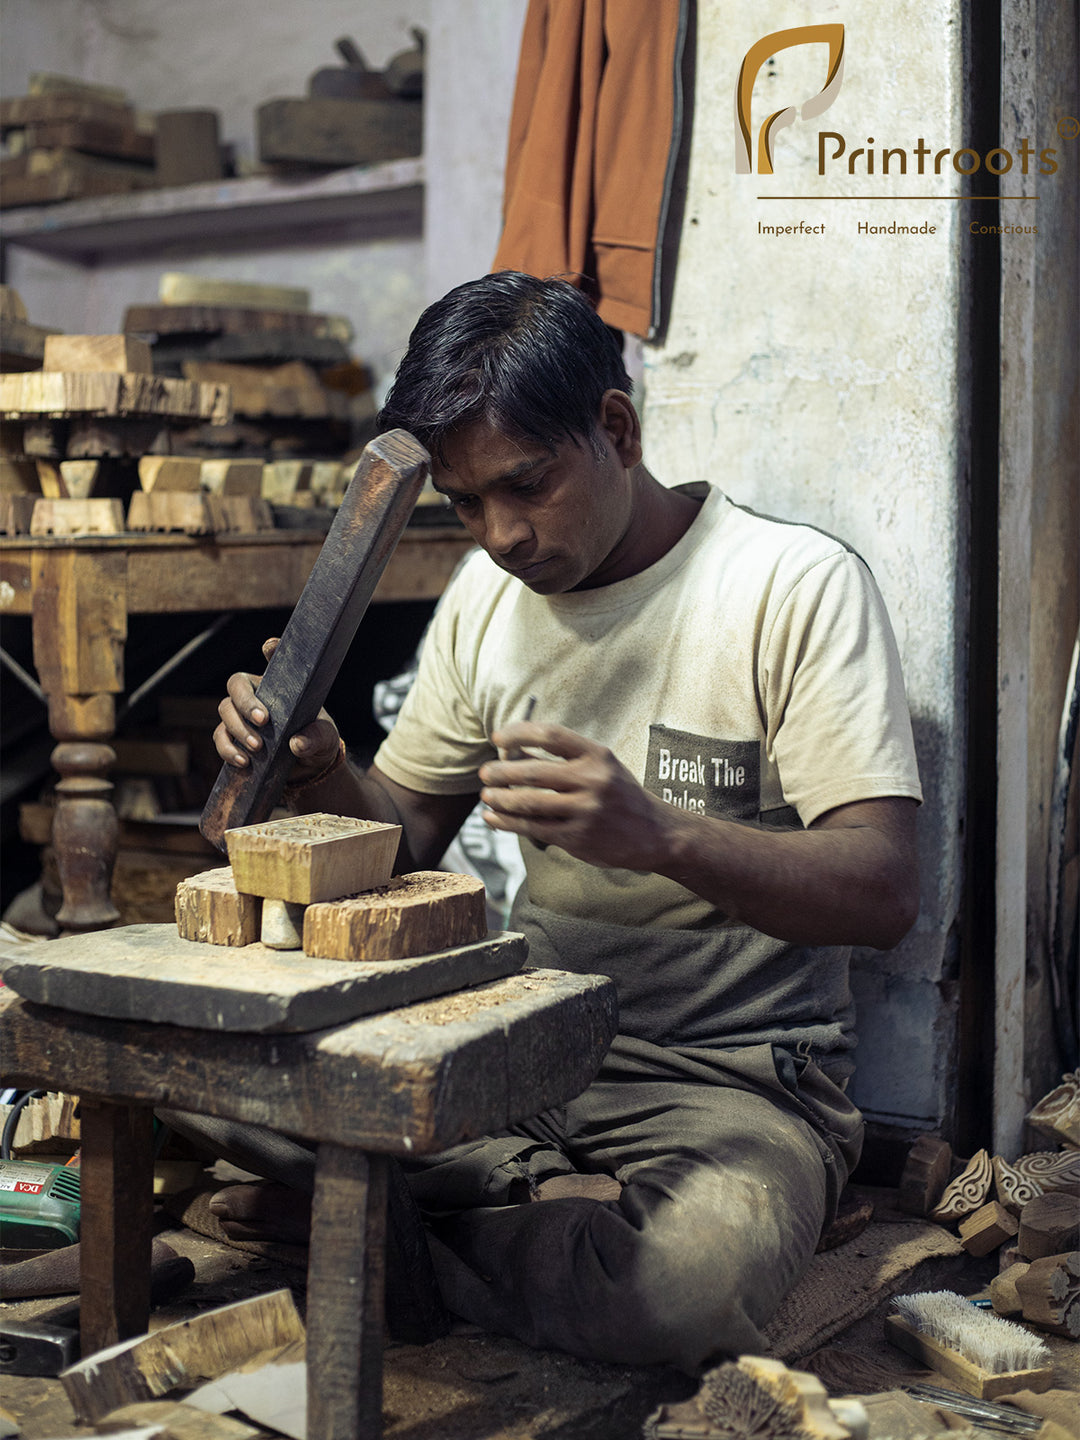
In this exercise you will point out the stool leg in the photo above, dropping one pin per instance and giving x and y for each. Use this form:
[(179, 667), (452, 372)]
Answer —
[(345, 1296), (116, 1173)]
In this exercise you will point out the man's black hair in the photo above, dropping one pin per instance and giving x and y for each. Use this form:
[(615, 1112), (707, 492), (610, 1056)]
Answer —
[(531, 356)]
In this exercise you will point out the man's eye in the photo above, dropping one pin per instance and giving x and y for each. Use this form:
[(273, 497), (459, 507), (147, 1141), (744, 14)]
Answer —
[(462, 502)]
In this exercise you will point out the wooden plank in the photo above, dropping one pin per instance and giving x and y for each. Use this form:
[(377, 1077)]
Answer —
[(41, 392), (312, 857), (206, 318), (408, 1083), (337, 132), (368, 524), (179, 1356), (22, 110), (149, 970), (98, 353), (412, 915), (117, 1193), (346, 1295), (175, 288)]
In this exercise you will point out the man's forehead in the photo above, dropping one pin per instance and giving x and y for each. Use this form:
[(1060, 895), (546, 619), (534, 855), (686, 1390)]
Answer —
[(482, 453)]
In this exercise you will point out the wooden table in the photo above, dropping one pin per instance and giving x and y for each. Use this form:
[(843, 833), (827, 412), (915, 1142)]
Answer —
[(409, 1082), (79, 593)]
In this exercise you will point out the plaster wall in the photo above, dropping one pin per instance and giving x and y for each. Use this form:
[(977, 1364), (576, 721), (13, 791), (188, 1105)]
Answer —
[(815, 377)]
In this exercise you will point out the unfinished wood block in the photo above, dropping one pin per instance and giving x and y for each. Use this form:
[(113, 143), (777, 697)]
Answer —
[(47, 82), (209, 908), (98, 353), (59, 393), (282, 925), (338, 132), (19, 477), (77, 517), (926, 1173), (188, 148), (172, 510), (1004, 1295), (415, 914), (16, 513), (177, 289), (1058, 1113), (11, 304), (181, 1355), (987, 1228), (312, 857), (46, 1126), (240, 514), (283, 480), (232, 477), (1049, 1225), (967, 1192), (1049, 1291), (170, 472), (67, 479)]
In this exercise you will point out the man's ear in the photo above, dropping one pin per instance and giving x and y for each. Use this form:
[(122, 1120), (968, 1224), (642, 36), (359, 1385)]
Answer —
[(619, 421)]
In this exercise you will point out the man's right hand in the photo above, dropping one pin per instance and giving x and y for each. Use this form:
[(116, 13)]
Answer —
[(242, 717)]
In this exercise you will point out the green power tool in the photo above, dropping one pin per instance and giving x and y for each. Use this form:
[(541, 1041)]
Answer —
[(39, 1205)]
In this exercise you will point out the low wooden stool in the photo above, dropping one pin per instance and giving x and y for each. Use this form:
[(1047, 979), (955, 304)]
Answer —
[(403, 1082)]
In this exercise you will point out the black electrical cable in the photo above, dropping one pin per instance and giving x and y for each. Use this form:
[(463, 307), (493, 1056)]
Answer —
[(12, 1121)]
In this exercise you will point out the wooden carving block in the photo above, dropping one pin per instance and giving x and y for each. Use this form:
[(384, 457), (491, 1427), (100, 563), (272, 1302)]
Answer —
[(283, 480), (98, 353), (181, 1355), (211, 909), (415, 914), (178, 289), (967, 1192), (95, 137), (1049, 1225), (55, 392), (206, 320), (67, 479), (11, 304), (77, 517), (990, 1226), (1049, 1292), (172, 510), (170, 472), (1004, 1295), (298, 676), (312, 857), (926, 1173), (19, 477), (240, 514), (16, 514), (232, 477), (338, 132), (188, 148), (1058, 1113)]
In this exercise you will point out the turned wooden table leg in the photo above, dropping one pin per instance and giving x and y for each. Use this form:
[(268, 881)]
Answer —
[(345, 1296), (117, 1185), (79, 607)]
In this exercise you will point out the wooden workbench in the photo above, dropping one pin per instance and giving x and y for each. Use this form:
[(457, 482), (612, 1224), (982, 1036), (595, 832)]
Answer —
[(79, 592)]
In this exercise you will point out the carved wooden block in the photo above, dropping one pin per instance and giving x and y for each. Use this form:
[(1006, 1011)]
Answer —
[(209, 908), (98, 353), (990, 1226), (77, 517), (312, 857), (1049, 1291), (174, 510), (170, 472), (967, 1192), (232, 477), (1049, 1225), (1004, 1295), (926, 1173), (16, 514), (414, 915), (1041, 1173), (18, 477), (1058, 1114), (67, 392), (239, 514)]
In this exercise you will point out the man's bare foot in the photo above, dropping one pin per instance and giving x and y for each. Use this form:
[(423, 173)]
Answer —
[(585, 1187), (263, 1210)]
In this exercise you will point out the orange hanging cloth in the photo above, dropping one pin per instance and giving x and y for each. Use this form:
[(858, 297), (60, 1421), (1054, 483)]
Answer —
[(594, 134)]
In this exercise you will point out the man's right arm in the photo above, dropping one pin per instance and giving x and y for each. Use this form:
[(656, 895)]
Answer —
[(429, 822)]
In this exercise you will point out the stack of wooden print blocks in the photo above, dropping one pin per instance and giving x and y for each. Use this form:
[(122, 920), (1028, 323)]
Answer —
[(74, 429), (67, 140), (323, 883)]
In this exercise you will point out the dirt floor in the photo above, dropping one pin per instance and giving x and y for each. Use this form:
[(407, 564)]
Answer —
[(471, 1386)]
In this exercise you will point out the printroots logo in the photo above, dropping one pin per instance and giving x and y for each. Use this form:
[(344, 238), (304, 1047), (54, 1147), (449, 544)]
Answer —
[(831, 35)]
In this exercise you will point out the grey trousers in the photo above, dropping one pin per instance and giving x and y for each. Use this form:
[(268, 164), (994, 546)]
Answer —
[(731, 1164)]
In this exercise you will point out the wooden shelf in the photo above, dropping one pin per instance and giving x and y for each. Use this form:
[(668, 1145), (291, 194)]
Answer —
[(373, 200)]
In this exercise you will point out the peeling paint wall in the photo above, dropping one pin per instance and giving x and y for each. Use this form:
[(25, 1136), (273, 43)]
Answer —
[(814, 376)]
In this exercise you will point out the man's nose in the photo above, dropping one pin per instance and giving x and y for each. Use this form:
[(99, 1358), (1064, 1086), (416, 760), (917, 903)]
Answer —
[(505, 527)]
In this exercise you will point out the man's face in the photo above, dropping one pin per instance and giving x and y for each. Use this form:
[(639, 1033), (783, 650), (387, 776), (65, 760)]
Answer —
[(557, 519)]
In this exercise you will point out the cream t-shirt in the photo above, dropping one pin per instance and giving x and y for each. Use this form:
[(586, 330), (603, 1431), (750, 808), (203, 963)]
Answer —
[(751, 673)]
